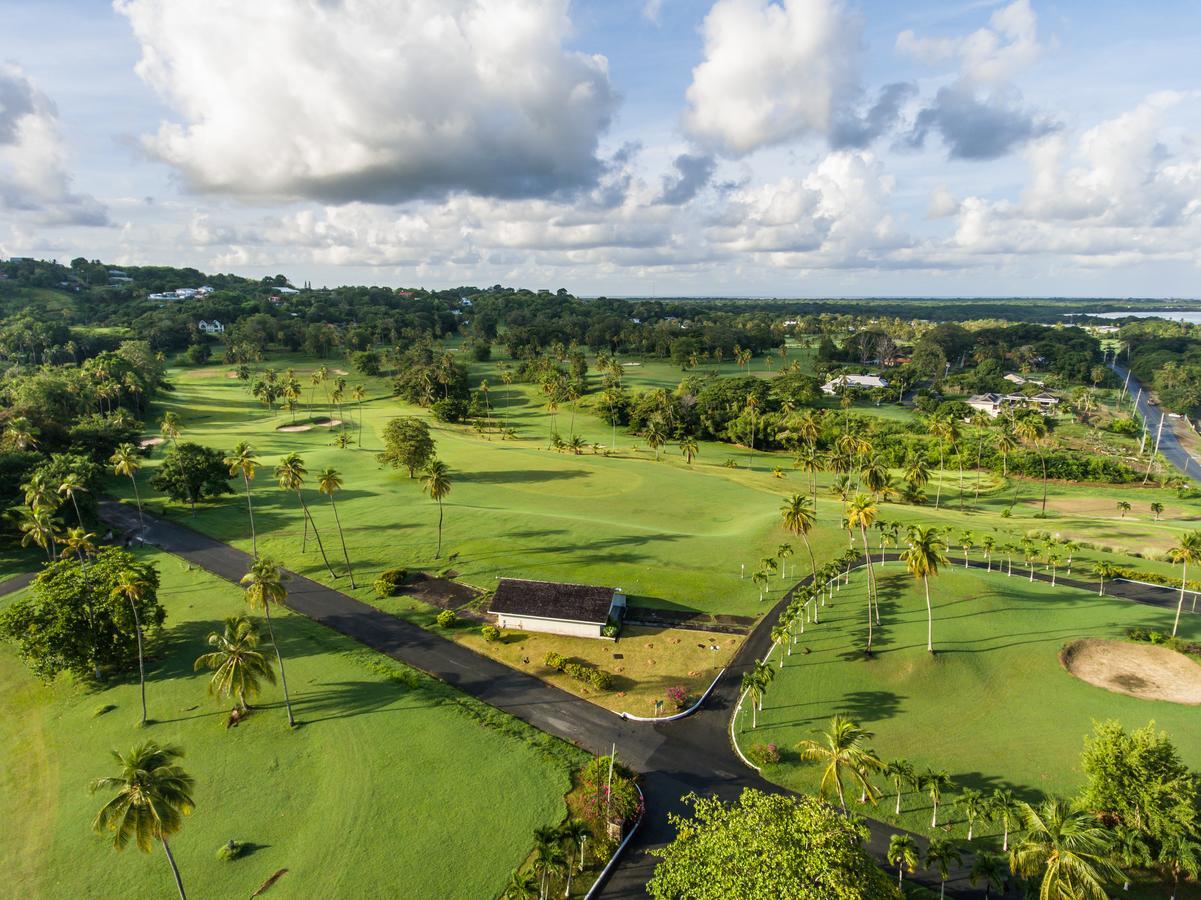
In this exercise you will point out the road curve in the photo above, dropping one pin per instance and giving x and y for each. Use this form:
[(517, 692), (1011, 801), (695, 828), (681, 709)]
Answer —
[(674, 759), (1169, 445)]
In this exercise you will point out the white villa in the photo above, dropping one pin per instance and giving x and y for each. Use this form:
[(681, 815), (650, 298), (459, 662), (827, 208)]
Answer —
[(992, 404), (862, 382), (181, 293), (213, 327)]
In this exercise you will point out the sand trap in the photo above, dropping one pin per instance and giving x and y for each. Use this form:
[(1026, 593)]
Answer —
[(1138, 670), (309, 426), (149, 442), (341, 372)]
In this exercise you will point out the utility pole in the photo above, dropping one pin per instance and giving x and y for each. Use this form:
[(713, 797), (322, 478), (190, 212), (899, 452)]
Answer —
[(1158, 435)]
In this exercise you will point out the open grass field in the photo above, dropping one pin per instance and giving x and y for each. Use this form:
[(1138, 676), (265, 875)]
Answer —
[(394, 785), (993, 707)]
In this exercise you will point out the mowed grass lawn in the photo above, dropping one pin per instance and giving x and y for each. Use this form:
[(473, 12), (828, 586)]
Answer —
[(993, 707), (394, 785)]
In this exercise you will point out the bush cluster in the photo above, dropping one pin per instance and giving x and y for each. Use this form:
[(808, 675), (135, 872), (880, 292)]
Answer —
[(763, 754), (231, 850), (491, 633), (678, 696), (1143, 635), (598, 678), (388, 584), (446, 618)]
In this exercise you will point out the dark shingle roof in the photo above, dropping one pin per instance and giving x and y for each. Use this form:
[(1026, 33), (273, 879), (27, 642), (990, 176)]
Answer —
[(551, 600)]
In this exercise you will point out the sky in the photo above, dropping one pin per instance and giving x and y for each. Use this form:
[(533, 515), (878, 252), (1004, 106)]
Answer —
[(787, 148)]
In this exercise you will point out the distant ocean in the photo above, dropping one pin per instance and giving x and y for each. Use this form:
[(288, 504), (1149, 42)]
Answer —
[(1192, 316)]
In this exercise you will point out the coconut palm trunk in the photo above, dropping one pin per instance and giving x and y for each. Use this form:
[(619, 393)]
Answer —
[(929, 616), (254, 542), (1180, 604), (174, 869), (137, 624), (308, 517), (438, 552), (342, 538), (283, 678)]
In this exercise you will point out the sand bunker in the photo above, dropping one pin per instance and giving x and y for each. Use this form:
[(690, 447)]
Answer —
[(1139, 670), (309, 426), (149, 442)]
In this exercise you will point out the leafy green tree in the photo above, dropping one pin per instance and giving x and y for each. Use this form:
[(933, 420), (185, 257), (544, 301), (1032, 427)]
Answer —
[(264, 588), (153, 795), (436, 483), (843, 750), (764, 847), (81, 622), (903, 853), (329, 482), (191, 473), (941, 855), (1066, 851), (407, 444), (237, 665)]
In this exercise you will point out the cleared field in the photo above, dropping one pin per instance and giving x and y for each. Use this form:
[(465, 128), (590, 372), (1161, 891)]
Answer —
[(394, 785)]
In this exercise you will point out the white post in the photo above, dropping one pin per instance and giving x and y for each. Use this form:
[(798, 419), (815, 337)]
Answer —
[(1122, 396)]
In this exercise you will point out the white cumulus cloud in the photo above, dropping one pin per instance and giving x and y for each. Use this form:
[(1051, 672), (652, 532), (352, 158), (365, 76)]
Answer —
[(362, 100)]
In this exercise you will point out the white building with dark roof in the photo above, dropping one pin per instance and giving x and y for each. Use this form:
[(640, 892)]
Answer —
[(577, 610)]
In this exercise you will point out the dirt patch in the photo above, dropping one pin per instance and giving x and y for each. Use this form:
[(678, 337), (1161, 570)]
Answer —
[(149, 442), (1137, 670), (309, 426), (443, 593), (341, 372)]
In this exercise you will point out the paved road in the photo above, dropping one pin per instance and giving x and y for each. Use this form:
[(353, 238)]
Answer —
[(675, 758), (8, 585), (1169, 445)]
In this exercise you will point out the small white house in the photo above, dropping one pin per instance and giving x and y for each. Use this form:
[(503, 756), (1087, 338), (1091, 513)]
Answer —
[(861, 382), (577, 610), (992, 404), (213, 327)]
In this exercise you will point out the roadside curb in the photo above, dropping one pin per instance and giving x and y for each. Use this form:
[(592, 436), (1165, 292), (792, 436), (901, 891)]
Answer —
[(680, 715)]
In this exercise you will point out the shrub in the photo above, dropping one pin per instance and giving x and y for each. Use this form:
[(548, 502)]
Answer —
[(598, 678), (231, 850), (446, 618), (763, 754), (449, 410), (555, 660), (610, 631), (491, 633), (388, 584), (678, 696)]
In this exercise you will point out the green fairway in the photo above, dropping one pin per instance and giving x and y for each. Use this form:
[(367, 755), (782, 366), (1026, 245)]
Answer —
[(394, 785), (993, 707)]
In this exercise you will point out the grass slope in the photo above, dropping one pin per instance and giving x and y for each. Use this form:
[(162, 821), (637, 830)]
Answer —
[(993, 707), (394, 785)]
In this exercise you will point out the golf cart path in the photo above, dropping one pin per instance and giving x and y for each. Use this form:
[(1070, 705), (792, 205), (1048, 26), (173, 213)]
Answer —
[(689, 755)]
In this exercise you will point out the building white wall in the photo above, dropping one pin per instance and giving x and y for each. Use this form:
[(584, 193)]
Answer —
[(550, 626)]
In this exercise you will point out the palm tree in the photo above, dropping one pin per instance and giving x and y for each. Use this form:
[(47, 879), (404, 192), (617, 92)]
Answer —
[(265, 587), (575, 832), (70, 488), (1187, 551), (1005, 808), (975, 807), (242, 462), (991, 869), (760, 579), (800, 514), (1130, 850), (934, 782), (236, 662), (967, 541), (765, 675), (126, 463), (781, 636), (1006, 444), (903, 853), (289, 474), (1180, 854), (944, 430), (902, 773), (1033, 428), (655, 436), (782, 553), (436, 482), (153, 796), (1104, 570), (1123, 507), (549, 859), (922, 557), (988, 544), (169, 429), (39, 526), (329, 482), (752, 690), (358, 394), (521, 886), (689, 448), (1157, 510), (861, 513), (941, 855), (132, 587), (1065, 849), (843, 750), (917, 472)]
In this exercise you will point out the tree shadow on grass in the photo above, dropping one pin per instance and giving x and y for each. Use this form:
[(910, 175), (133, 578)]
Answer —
[(348, 699), (522, 476)]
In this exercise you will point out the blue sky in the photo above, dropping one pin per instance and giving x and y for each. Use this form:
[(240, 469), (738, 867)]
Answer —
[(782, 148)]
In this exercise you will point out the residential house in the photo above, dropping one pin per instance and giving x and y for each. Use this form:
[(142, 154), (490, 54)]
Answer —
[(860, 382), (578, 610)]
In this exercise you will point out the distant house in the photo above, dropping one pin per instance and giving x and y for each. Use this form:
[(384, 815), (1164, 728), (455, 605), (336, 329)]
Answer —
[(1015, 378), (862, 382), (993, 404), (578, 610), (213, 327)]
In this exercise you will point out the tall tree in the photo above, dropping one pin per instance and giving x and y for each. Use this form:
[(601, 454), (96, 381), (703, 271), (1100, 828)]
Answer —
[(358, 394), (842, 748), (237, 665), (290, 474), (264, 588), (436, 483), (153, 795), (941, 855), (242, 462), (131, 584), (799, 516), (329, 482), (126, 464), (1186, 552), (861, 514), (922, 557), (903, 853), (1066, 851)]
